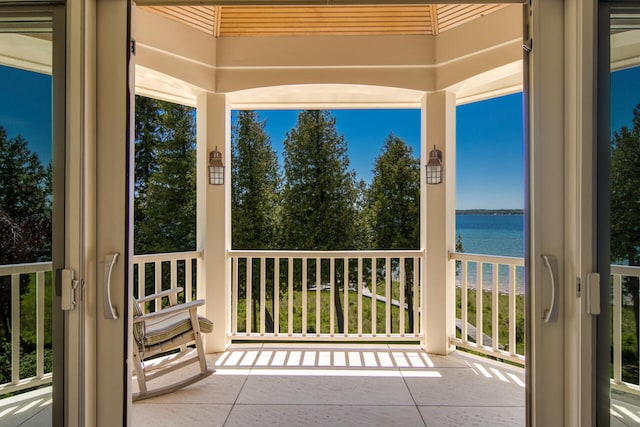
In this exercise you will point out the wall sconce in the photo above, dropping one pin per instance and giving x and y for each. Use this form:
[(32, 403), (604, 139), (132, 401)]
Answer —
[(434, 166), (216, 168)]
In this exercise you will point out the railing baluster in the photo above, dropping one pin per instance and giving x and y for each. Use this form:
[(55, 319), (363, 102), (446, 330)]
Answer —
[(401, 311), (304, 296), (276, 296), (389, 296), (479, 304), (235, 299), (141, 277), (512, 310), (158, 282), (40, 299), (494, 308), (374, 297), (464, 303), (188, 280), (359, 287), (345, 294), (290, 297), (248, 296), (15, 328), (263, 289), (332, 294), (318, 286), (417, 297), (617, 328), (173, 272)]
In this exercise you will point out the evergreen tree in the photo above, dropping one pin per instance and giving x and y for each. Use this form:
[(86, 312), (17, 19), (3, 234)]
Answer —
[(25, 216), (394, 202), (364, 231), (625, 205), (25, 203), (165, 198), (394, 197), (254, 199), (319, 195), (256, 184)]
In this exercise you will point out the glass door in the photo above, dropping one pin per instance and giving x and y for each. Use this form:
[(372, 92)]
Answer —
[(619, 211), (31, 216)]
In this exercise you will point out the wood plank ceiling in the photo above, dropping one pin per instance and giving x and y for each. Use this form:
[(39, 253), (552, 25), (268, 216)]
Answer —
[(228, 21)]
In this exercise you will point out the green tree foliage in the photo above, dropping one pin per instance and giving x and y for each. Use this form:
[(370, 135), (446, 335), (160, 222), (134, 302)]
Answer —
[(319, 194), (625, 207), (625, 193), (394, 197), (364, 232), (25, 203), (255, 185), (25, 227), (165, 182), (394, 204)]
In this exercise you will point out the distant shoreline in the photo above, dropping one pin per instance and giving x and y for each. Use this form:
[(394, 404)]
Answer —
[(490, 212)]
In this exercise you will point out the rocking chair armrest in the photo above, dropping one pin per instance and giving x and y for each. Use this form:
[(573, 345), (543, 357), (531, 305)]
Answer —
[(170, 310), (159, 295)]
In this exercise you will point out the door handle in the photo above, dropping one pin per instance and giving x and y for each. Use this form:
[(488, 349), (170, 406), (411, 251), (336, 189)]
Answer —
[(110, 312), (551, 314)]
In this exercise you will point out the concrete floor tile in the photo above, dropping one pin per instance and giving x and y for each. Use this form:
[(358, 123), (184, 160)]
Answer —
[(445, 416), (171, 415), (465, 387), (324, 415), (333, 390)]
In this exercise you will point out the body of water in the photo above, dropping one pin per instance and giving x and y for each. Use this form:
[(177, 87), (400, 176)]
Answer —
[(492, 235)]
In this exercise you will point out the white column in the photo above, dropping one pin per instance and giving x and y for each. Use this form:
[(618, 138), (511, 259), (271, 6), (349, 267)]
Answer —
[(438, 223), (214, 218)]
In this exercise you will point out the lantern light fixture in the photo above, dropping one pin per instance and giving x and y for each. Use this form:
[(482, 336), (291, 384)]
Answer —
[(434, 166), (216, 168)]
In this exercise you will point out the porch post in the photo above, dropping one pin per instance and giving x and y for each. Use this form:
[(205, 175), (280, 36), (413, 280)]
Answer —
[(213, 218), (438, 223)]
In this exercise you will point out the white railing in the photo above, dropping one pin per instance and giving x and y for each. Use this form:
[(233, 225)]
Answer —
[(316, 295), (157, 272), (38, 275), (495, 280), (618, 272)]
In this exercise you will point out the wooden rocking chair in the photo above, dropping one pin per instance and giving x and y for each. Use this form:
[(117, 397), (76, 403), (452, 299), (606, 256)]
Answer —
[(169, 328)]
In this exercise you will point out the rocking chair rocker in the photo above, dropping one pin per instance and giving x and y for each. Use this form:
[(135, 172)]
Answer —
[(164, 330)]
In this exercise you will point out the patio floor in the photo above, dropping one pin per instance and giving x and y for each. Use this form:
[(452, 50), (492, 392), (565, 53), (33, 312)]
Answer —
[(333, 384)]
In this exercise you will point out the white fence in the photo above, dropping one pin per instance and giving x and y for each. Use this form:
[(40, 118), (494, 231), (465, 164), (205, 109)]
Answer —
[(328, 295), (158, 272), (34, 278), (618, 273), (337, 295), (496, 279)]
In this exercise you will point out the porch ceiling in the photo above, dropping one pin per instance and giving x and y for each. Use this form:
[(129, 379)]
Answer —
[(427, 19)]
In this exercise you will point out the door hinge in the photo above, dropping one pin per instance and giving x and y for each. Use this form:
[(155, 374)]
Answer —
[(133, 46), (528, 46)]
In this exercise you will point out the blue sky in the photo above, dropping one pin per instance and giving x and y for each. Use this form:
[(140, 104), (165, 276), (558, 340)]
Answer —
[(489, 133), (488, 138)]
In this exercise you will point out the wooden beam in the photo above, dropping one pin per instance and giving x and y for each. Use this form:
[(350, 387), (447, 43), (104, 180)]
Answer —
[(434, 19)]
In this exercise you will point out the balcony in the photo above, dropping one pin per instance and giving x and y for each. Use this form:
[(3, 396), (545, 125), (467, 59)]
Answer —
[(344, 384), (310, 367)]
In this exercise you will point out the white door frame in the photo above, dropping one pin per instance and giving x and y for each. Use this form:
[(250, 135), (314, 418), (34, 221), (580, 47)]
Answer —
[(559, 206), (99, 214), (561, 209)]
